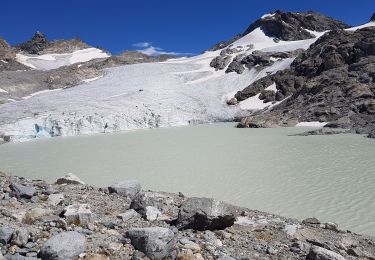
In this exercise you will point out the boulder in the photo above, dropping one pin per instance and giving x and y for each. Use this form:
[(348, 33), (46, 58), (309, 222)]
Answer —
[(155, 242), (20, 237), (152, 213), (22, 191), (205, 214), (5, 234), (129, 188), (55, 199), (319, 253), (233, 101), (311, 221), (34, 214), (129, 214), (69, 178), (78, 214), (331, 226), (65, 245)]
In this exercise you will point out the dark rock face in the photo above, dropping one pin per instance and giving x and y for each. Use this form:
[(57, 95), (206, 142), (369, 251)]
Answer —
[(223, 44), (372, 18), (65, 245), (220, 62), (333, 81), (37, 43), (204, 214), (155, 242), (289, 26)]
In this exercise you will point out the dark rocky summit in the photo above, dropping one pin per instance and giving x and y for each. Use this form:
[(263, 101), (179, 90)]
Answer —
[(288, 26), (77, 221), (333, 81), (292, 26), (39, 44), (36, 44)]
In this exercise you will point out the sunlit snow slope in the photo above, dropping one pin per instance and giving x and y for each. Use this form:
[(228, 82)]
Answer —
[(53, 61), (176, 92)]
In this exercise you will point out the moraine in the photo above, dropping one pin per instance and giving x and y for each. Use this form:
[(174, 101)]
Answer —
[(265, 169)]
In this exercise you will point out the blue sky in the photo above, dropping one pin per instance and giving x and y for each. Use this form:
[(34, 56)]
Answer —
[(181, 26)]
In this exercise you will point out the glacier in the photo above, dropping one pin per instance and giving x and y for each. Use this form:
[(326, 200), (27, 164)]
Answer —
[(176, 92)]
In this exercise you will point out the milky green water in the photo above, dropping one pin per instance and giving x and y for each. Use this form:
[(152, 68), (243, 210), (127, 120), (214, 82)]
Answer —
[(330, 177)]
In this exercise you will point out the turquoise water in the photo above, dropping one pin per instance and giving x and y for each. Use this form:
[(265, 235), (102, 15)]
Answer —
[(330, 177)]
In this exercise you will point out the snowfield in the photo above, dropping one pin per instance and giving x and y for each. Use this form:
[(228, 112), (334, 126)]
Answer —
[(176, 92), (54, 61)]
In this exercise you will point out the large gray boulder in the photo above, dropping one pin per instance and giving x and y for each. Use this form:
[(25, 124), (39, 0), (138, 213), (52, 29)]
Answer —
[(129, 188), (5, 234), (63, 246), (155, 242), (205, 214), (22, 191), (319, 253)]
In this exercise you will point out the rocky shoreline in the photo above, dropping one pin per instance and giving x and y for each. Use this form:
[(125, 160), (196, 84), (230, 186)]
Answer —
[(72, 220)]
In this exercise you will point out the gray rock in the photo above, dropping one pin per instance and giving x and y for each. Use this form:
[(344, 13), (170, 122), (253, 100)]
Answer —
[(18, 257), (331, 226), (233, 101), (5, 234), (22, 191), (129, 188), (65, 245), (55, 199), (131, 213), (20, 237), (205, 214), (220, 62), (319, 253), (155, 242), (311, 221), (69, 178), (152, 213), (78, 214)]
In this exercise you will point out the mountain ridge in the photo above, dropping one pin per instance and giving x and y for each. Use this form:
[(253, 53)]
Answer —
[(193, 89)]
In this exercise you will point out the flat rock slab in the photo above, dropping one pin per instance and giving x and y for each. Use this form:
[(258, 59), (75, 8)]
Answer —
[(65, 245), (155, 242)]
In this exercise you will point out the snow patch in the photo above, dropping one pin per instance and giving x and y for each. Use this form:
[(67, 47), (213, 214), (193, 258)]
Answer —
[(267, 16), (55, 60), (272, 87), (312, 124), (3, 61), (92, 79), (41, 92), (3, 91)]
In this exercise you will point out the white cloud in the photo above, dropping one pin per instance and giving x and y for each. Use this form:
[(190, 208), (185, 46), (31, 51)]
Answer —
[(148, 49), (142, 44)]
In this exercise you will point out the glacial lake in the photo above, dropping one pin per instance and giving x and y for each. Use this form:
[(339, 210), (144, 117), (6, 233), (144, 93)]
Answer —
[(329, 177)]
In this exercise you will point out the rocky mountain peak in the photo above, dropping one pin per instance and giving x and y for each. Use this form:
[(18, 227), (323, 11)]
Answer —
[(36, 44), (372, 19), (6, 51), (291, 26)]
